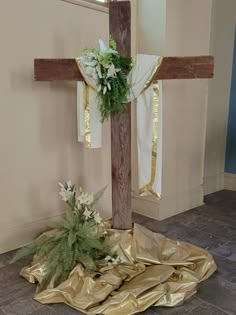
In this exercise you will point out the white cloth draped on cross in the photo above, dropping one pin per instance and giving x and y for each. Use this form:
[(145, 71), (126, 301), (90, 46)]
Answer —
[(148, 98)]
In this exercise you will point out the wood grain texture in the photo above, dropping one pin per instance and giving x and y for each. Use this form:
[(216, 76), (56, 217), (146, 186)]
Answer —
[(56, 70), (186, 68), (120, 30), (171, 68)]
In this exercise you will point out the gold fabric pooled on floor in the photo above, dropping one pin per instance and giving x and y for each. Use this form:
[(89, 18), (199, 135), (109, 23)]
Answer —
[(155, 270)]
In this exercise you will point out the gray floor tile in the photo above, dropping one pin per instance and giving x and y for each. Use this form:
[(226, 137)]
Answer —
[(178, 310), (210, 225), (227, 250), (183, 233), (207, 310), (14, 285), (5, 258), (64, 309), (226, 269), (44, 310), (223, 197), (220, 293), (214, 211), (21, 306), (140, 219), (147, 312)]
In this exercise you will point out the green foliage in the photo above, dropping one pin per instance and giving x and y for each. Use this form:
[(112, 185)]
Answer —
[(113, 101), (112, 43), (74, 239), (110, 70)]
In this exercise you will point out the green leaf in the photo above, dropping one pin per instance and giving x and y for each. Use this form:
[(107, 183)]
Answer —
[(99, 195)]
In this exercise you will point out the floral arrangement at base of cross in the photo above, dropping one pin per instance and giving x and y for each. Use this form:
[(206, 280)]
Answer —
[(76, 238), (109, 69)]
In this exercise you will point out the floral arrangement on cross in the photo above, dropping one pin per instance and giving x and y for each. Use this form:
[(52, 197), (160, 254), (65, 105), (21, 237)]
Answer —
[(109, 70), (78, 237)]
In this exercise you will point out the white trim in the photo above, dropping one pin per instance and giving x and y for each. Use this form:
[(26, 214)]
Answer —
[(169, 205), (44, 215), (230, 181), (88, 5), (18, 236), (213, 183)]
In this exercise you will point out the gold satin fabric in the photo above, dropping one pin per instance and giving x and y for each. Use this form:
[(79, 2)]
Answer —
[(148, 188), (155, 270)]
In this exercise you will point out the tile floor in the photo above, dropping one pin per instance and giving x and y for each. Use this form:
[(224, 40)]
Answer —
[(212, 226)]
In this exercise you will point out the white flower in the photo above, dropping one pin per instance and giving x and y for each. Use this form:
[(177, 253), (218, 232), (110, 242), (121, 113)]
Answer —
[(114, 261), (108, 258), (102, 45), (104, 49), (85, 199), (61, 185), (109, 86), (104, 90), (66, 194), (99, 88), (69, 185), (111, 73), (87, 214), (98, 68), (97, 218)]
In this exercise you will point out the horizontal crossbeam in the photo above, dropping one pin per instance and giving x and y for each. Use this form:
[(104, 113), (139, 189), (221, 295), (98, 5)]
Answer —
[(171, 68)]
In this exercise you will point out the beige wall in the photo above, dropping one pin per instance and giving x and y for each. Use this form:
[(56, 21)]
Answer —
[(151, 20), (222, 41), (38, 120), (187, 32)]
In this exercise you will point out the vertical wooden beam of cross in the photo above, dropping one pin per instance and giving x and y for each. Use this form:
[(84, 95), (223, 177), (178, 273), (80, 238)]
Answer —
[(171, 68), (120, 30)]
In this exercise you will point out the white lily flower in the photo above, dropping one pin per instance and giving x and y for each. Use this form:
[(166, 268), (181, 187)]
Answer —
[(85, 199), (103, 47), (97, 218), (104, 90), (98, 68), (111, 73), (109, 86), (66, 194), (111, 51), (116, 260), (61, 185), (108, 258), (69, 184), (87, 214), (99, 88)]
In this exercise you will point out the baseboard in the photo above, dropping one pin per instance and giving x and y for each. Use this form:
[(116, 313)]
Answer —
[(17, 236), (180, 202), (213, 183), (230, 181), (148, 206), (168, 206)]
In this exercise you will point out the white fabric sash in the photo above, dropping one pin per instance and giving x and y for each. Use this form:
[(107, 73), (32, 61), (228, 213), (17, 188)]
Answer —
[(143, 90)]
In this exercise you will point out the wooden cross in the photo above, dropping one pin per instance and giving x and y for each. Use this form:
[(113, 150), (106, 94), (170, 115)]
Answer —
[(171, 68)]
